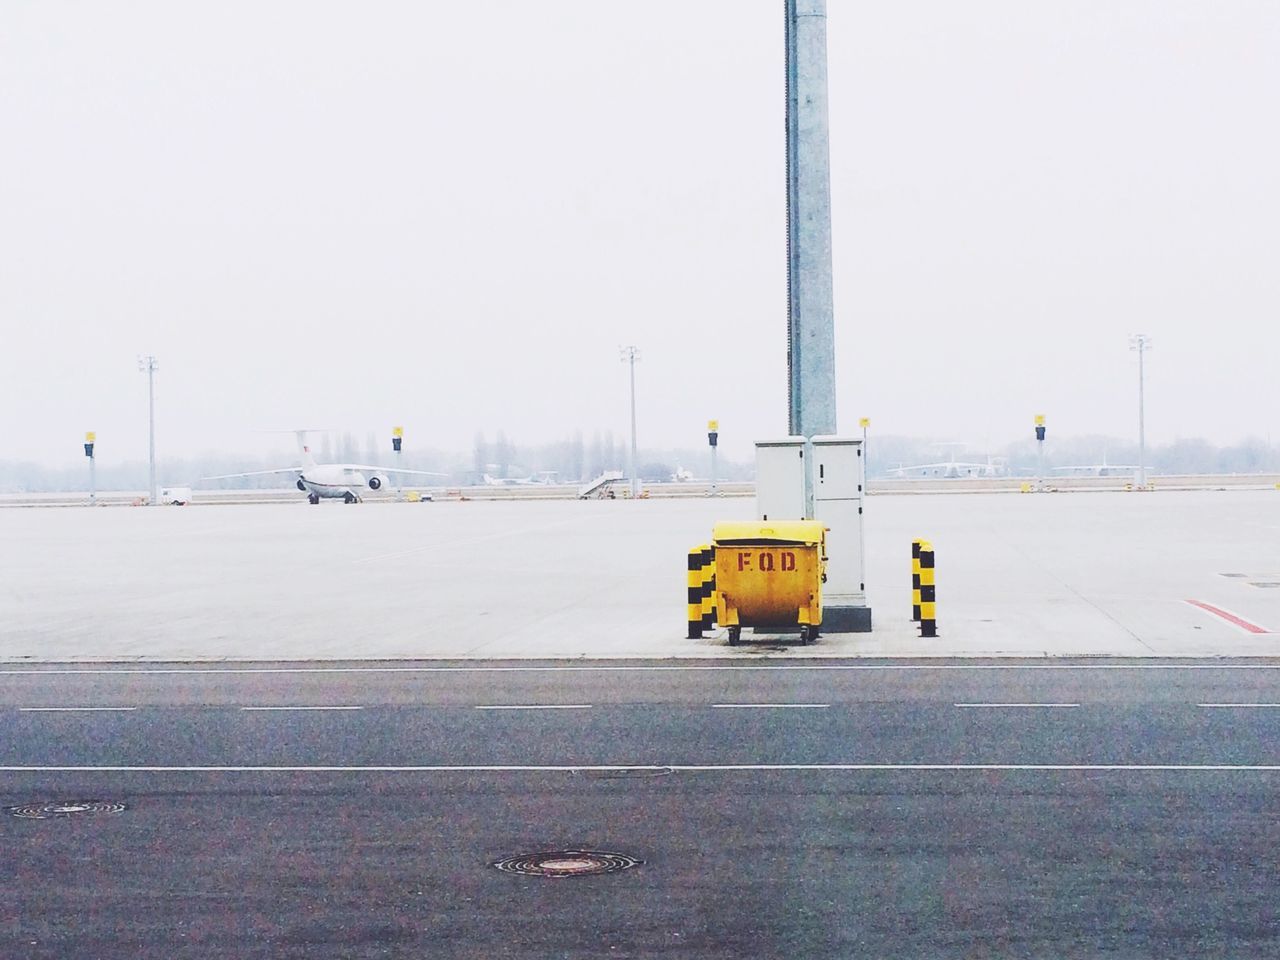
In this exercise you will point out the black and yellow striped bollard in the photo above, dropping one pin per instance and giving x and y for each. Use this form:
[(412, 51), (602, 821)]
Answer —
[(928, 596), (915, 580), (708, 588), (700, 581)]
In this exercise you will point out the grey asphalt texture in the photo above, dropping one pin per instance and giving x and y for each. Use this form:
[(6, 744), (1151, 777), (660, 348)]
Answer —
[(307, 863)]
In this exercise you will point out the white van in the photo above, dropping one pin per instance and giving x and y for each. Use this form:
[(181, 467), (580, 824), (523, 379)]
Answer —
[(177, 496)]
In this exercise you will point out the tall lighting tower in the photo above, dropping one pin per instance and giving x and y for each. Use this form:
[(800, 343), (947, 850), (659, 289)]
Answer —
[(148, 365), (811, 367), (629, 356), (1141, 343)]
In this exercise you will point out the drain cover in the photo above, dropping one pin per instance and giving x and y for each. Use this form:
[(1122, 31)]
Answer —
[(63, 808), (567, 863)]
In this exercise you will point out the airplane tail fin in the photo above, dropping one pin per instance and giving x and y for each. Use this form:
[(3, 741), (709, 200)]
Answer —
[(304, 450)]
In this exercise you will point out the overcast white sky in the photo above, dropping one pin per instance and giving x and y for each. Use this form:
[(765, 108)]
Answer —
[(449, 215)]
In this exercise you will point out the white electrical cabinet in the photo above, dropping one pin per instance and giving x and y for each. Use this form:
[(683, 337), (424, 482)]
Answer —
[(837, 469), (839, 476), (780, 479)]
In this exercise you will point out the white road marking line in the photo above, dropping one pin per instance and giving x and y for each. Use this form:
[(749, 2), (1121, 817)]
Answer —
[(1240, 706), (300, 708), (770, 706), (796, 665), (1018, 705), (76, 709), (535, 706), (684, 768)]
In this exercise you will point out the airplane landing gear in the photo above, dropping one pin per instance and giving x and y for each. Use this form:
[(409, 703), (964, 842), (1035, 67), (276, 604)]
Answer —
[(313, 498), (348, 497)]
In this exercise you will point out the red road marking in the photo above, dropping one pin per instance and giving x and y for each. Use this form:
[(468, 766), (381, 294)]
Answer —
[(1240, 622)]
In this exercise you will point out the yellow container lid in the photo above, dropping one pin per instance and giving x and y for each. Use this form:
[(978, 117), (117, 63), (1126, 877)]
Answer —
[(768, 531)]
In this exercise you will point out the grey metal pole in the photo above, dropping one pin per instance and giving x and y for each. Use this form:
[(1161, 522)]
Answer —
[(151, 407), (1141, 343), (149, 365), (630, 355), (810, 319), (811, 367), (713, 439), (93, 480), (397, 440), (1142, 417), (1040, 433), (635, 480)]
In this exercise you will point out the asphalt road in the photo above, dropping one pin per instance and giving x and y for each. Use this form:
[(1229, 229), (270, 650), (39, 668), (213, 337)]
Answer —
[(820, 810)]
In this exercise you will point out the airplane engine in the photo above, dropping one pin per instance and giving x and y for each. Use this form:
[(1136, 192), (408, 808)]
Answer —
[(376, 482), (302, 486)]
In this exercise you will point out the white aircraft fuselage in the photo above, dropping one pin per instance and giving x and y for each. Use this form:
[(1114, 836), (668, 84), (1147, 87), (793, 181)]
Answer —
[(332, 481), (336, 481)]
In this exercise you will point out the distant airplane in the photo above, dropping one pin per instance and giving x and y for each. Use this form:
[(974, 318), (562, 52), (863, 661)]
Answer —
[(541, 477), (1102, 469), (491, 481), (331, 481), (685, 476), (954, 469)]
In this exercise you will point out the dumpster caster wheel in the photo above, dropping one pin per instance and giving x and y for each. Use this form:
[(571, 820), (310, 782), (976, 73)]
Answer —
[(807, 633), (735, 636)]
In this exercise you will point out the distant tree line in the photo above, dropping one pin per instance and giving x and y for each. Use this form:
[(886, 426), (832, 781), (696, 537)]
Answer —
[(571, 460), (575, 459), (1188, 456)]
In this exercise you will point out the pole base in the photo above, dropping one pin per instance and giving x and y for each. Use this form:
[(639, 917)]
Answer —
[(846, 619)]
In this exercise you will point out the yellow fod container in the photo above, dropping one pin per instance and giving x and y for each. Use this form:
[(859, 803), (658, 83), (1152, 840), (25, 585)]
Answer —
[(769, 574)]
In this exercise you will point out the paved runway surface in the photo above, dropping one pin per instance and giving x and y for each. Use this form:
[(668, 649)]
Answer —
[(843, 809)]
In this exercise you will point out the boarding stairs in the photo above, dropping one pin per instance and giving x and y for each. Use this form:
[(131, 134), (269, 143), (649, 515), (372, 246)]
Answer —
[(598, 487)]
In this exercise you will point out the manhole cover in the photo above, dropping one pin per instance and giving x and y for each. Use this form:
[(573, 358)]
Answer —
[(627, 773), (63, 808), (567, 863)]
